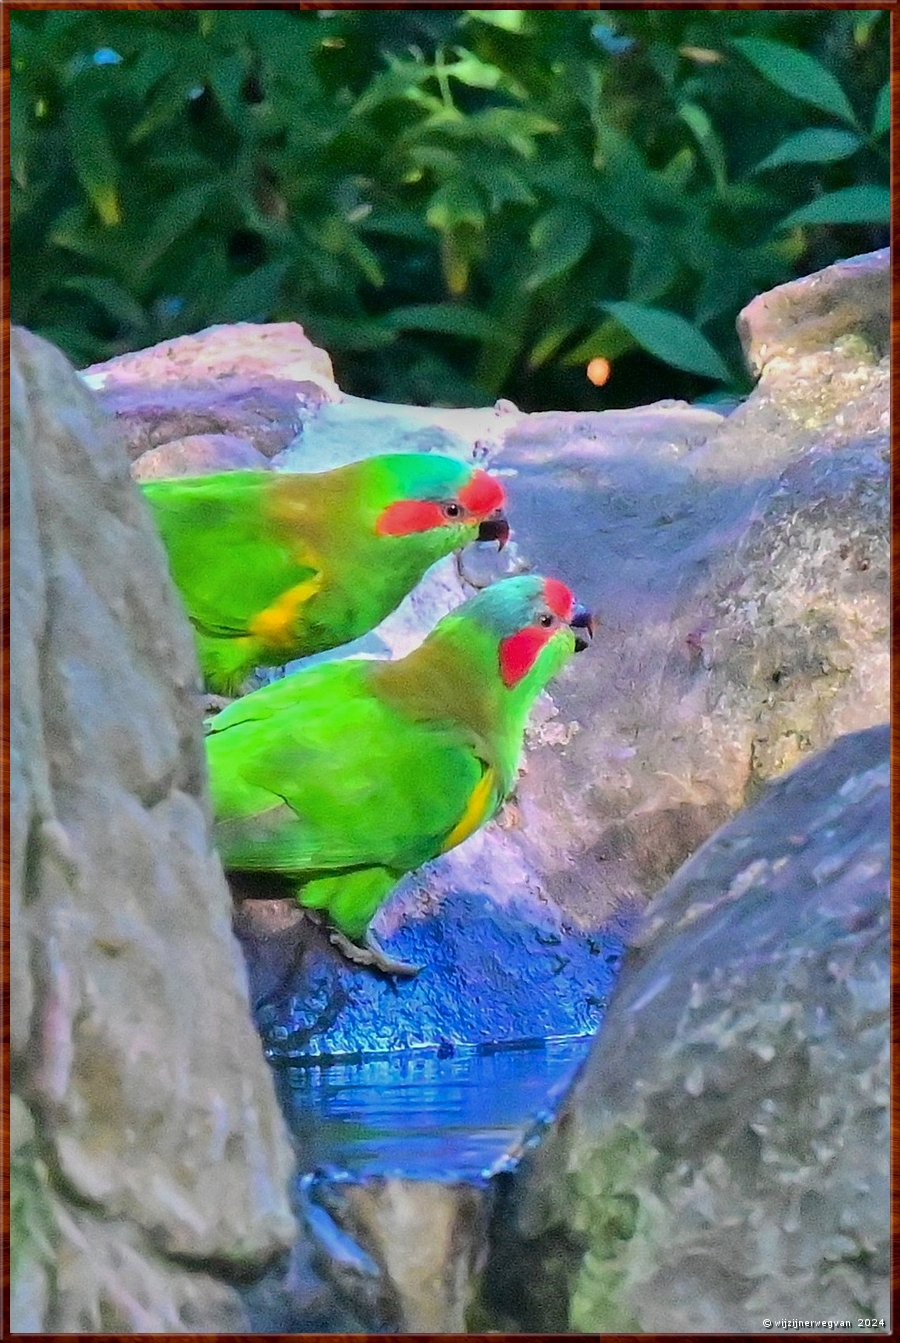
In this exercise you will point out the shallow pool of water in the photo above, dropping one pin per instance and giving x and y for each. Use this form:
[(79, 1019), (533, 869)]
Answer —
[(424, 1116)]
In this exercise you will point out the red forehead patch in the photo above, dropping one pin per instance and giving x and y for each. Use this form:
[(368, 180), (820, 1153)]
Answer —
[(558, 598), (482, 494)]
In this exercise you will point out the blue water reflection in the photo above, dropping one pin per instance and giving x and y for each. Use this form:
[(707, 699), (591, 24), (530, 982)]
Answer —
[(426, 1116)]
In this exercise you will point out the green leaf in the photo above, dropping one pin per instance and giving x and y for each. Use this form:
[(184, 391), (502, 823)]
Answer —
[(796, 73), (697, 121), (508, 126), (510, 20), (179, 212), (881, 118), (96, 167), (167, 104), (545, 348), (654, 269), (401, 81), (475, 73), (348, 333), (670, 338), (366, 261), (560, 237), (851, 205), (227, 76), (253, 296), (396, 223), (503, 184), (112, 297), (445, 319), (19, 134), (456, 202), (609, 340), (827, 144)]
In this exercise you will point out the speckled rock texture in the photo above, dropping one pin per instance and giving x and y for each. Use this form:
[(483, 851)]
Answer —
[(151, 1163), (256, 383), (723, 1159), (739, 567), (815, 314)]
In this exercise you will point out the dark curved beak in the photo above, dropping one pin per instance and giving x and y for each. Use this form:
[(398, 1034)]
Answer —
[(582, 625), (494, 528)]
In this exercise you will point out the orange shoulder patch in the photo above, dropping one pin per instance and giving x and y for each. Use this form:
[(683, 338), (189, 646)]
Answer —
[(475, 814)]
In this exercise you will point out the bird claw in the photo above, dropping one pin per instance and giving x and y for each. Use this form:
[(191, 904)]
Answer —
[(213, 704), (371, 954)]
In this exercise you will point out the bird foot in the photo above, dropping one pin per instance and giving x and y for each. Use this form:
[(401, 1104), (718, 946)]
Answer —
[(370, 954), (510, 815), (212, 704)]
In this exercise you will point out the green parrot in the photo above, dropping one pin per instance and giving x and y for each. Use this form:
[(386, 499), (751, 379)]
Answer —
[(273, 565), (345, 776)]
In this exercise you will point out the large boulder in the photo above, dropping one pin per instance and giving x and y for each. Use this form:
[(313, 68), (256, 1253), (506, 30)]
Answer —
[(723, 1162), (739, 567), (151, 1163)]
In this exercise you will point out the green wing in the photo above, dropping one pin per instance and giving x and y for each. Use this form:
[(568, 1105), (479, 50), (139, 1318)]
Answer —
[(226, 563), (314, 774)]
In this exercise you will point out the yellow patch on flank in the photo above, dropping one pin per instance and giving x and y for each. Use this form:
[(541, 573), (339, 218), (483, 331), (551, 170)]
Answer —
[(474, 814), (276, 624)]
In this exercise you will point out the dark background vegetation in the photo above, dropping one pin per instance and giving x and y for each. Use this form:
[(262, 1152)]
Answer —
[(457, 204)]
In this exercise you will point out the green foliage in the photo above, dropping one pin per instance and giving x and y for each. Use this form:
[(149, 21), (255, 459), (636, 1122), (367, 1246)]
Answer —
[(457, 204), (31, 1223)]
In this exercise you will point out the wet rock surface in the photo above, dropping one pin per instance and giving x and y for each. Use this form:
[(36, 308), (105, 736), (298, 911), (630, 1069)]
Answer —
[(494, 971), (724, 1156), (151, 1159)]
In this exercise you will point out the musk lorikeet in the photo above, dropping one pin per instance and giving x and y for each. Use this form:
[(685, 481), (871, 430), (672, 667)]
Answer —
[(273, 566), (344, 777)]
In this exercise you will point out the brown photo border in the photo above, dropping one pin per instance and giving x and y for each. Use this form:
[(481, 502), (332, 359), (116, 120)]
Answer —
[(9, 6)]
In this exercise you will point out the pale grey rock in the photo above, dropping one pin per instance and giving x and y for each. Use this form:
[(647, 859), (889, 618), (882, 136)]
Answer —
[(254, 382), (237, 349), (738, 566), (842, 309), (199, 455), (352, 428), (132, 1042)]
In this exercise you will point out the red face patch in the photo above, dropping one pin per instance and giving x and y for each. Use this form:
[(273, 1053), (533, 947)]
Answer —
[(482, 494), (409, 515), (559, 598), (519, 650)]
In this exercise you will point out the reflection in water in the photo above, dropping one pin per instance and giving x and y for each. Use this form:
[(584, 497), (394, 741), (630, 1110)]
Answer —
[(424, 1116)]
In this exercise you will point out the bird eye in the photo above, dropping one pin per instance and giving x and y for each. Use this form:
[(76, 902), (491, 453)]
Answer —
[(546, 621), (452, 510)]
